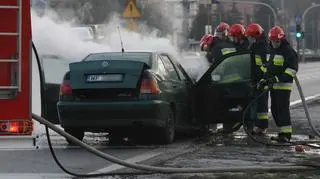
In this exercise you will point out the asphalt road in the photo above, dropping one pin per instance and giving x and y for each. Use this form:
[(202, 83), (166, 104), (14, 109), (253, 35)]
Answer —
[(308, 76), (33, 163)]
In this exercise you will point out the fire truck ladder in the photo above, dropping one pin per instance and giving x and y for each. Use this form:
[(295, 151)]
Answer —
[(11, 91)]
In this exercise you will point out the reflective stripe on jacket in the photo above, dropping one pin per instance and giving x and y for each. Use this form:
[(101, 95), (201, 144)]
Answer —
[(226, 51)]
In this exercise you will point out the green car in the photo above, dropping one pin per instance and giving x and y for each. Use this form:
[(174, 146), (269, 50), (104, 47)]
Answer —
[(126, 94), (148, 95)]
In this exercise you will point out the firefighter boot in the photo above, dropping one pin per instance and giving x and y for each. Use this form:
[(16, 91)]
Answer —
[(259, 131), (283, 137)]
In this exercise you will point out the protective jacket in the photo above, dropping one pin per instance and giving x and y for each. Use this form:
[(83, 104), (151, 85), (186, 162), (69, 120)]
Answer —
[(283, 65), (220, 47)]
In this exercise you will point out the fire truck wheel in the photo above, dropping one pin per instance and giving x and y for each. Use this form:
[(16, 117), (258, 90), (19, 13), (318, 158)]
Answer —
[(77, 133)]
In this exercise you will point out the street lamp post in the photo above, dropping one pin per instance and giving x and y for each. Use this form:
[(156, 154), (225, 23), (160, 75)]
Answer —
[(256, 3), (303, 27)]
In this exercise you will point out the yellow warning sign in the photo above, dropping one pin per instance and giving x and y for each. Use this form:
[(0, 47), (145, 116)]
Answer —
[(131, 11)]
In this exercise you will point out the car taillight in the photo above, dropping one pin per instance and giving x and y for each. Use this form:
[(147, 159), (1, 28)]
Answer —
[(66, 88), (149, 85), (16, 127)]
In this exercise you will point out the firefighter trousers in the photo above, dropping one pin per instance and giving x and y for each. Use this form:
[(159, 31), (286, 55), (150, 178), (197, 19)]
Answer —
[(280, 103), (262, 111)]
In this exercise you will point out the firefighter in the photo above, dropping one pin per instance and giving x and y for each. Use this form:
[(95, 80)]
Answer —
[(258, 45), (282, 67), (206, 41), (237, 36), (221, 44)]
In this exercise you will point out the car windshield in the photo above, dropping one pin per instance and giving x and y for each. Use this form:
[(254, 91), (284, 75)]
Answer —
[(131, 56)]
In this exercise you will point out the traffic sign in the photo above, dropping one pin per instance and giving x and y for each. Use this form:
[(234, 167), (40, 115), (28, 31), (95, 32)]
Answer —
[(131, 11)]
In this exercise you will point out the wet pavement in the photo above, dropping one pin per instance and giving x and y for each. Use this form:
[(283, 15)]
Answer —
[(238, 150), (210, 151)]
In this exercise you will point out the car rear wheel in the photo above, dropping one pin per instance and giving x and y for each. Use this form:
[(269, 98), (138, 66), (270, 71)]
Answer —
[(167, 134), (77, 133)]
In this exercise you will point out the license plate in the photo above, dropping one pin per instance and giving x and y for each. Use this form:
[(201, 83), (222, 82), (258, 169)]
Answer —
[(104, 78)]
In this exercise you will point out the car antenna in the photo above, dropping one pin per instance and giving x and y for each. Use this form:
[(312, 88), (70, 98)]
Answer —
[(122, 49)]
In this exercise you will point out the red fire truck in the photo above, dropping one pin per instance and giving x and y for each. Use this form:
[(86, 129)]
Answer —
[(15, 70)]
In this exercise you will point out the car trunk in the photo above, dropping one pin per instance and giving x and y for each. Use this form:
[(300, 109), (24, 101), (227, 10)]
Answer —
[(106, 80)]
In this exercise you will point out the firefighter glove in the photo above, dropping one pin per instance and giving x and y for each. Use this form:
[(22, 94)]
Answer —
[(270, 81), (266, 82), (261, 84)]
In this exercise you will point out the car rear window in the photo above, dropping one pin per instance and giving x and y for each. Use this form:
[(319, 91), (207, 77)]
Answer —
[(131, 56)]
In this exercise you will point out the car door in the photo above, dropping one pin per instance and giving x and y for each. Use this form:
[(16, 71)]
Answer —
[(225, 90), (189, 93), (54, 68), (179, 89)]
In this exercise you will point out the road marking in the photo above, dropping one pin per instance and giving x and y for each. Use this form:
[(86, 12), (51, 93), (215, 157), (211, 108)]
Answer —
[(307, 99), (138, 158)]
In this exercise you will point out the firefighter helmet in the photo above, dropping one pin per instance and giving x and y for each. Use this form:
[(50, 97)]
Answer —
[(237, 31), (276, 33), (222, 30), (205, 41), (254, 30)]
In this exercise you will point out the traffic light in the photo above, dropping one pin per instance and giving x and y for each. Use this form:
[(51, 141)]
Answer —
[(299, 33)]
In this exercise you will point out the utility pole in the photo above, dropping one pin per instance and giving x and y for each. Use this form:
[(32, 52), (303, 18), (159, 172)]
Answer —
[(282, 5), (185, 22), (284, 20)]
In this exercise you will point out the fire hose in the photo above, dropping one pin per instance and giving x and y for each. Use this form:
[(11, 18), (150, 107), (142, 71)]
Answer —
[(146, 168)]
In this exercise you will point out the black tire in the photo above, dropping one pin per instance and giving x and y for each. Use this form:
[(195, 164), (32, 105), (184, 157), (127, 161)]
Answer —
[(77, 133), (167, 134)]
